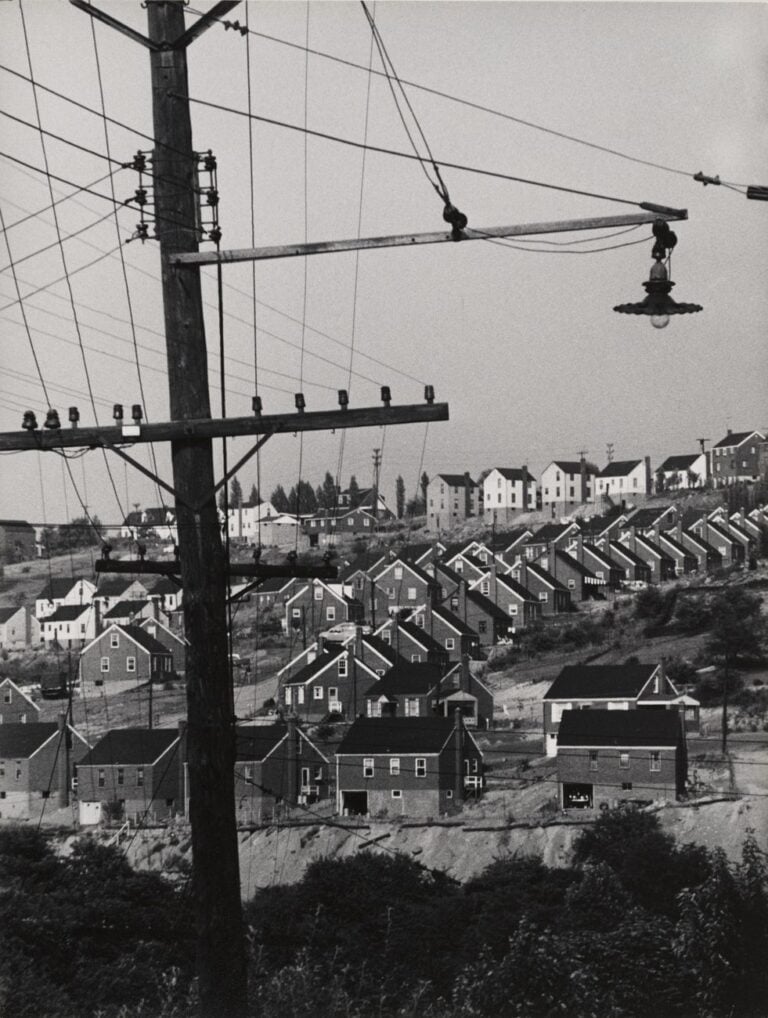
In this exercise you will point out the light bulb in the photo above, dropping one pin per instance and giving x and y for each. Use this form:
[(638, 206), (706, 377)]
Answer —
[(659, 321)]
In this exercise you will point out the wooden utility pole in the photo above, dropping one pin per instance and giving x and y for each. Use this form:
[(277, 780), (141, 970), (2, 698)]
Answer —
[(221, 963)]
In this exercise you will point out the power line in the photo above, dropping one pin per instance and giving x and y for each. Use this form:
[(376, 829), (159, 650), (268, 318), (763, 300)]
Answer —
[(66, 141), (59, 201), (55, 243), (402, 155)]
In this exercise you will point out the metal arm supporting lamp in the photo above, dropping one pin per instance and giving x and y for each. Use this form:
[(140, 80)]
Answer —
[(658, 305)]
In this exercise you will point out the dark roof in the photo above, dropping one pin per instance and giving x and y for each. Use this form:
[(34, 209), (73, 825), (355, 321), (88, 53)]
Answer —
[(16, 523), (125, 608), (451, 574), (545, 575), (413, 678), (165, 585), (273, 585), (410, 567), (385, 650), (653, 547), (679, 462), (486, 605), (19, 740), (586, 682), (602, 556), (646, 517), (56, 587), (501, 540), (456, 548), (671, 539), (710, 549), (516, 587), (450, 618), (8, 612), (735, 438), (421, 636), (619, 728), (456, 480), (254, 742), (412, 552), (145, 639), (514, 473), (597, 524), (396, 735), (620, 468), (549, 532), (130, 746), (572, 466), (111, 585), (362, 562), (622, 549), (305, 674), (574, 563), (67, 613)]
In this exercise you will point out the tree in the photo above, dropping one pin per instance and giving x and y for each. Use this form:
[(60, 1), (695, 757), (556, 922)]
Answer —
[(738, 630), (424, 485), (400, 496), (302, 499), (279, 499), (354, 493), (330, 491), (414, 507), (254, 498), (659, 481), (235, 494)]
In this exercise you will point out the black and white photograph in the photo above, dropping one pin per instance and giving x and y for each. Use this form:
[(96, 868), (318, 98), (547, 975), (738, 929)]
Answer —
[(383, 509)]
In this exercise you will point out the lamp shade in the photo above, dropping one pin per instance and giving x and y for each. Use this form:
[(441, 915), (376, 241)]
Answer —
[(658, 304)]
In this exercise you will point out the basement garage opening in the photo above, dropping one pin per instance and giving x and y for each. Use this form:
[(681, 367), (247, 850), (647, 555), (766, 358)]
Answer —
[(577, 796), (354, 803)]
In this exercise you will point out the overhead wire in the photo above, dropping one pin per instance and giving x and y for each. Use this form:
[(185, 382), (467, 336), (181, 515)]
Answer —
[(55, 243), (59, 201)]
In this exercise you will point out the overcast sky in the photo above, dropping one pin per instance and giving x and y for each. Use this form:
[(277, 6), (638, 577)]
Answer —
[(521, 339)]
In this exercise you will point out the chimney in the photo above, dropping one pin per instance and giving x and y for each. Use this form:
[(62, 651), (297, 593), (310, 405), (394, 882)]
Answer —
[(465, 676), (63, 760), (729, 431), (583, 472), (292, 768), (458, 728), (181, 757), (524, 477), (467, 494), (359, 642), (96, 605), (553, 558), (648, 476)]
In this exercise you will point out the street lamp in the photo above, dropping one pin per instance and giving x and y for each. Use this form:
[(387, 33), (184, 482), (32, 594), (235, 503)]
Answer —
[(658, 305)]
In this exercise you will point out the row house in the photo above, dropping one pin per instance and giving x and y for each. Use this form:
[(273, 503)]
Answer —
[(18, 628), (680, 473), (740, 456), (730, 547), (125, 654), (483, 615), (543, 540), (661, 565), (36, 764), (606, 527), (684, 559), (554, 597), (448, 630), (708, 558), (567, 483), (635, 568), (63, 590), (426, 690), (451, 499), (581, 582), (274, 591), (598, 562), (421, 554), (509, 490), (331, 683), (649, 520), (613, 688), (404, 585), (15, 706), (319, 605), (407, 767), (624, 478), (608, 757), (412, 641)]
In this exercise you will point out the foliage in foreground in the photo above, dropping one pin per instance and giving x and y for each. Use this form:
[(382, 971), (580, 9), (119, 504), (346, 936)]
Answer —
[(637, 927)]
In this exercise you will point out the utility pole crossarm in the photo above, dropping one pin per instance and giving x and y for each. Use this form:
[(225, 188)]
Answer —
[(107, 19), (111, 436), (257, 254)]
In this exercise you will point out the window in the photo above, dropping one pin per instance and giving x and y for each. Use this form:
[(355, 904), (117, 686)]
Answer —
[(296, 613), (318, 773), (411, 593), (318, 595), (350, 523), (102, 779), (7, 697), (482, 626), (366, 522), (397, 793), (120, 776), (485, 586), (656, 684), (454, 603), (449, 793), (543, 596), (420, 766), (412, 706), (655, 760), (513, 609), (333, 692), (300, 694), (130, 664), (140, 776), (398, 572), (342, 666), (360, 582), (394, 765), (387, 637), (374, 708), (317, 692), (450, 643), (626, 786), (571, 584), (114, 640), (105, 664), (368, 767), (391, 593), (593, 759), (330, 613), (415, 658), (624, 761)]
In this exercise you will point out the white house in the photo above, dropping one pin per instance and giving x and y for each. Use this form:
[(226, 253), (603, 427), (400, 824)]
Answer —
[(567, 482), (451, 498), (624, 477), (678, 472), (18, 628), (503, 490), (245, 520)]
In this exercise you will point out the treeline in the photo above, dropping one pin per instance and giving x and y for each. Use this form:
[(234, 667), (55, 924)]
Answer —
[(637, 927)]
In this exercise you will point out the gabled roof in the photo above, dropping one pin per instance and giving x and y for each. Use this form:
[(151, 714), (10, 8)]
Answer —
[(456, 548), (396, 735), (513, 473), (113, 586), (22, 740), (620, 468), (597, 525), (57, 587), (131, 746), (619, 728), (456, 480), (545, 576), (720, 531), (710, 549), (551, 532), (516, 588), (581, 569), (415, 552), (668, 536), (601, 556), (679, 462), (420, 636), (502, 540), (410, 567), (257, 742), (597, 682), (144, 639), (652, 547), (647, 516), (7, 613), (486, 605), (164, 585), (736, 438), (67, 613), (622, 549), (12, 684), (452, 620), (406, 679), (123, 608), (449, 573), (362, 563), (573, 467), (309, 671), (384, 650), (273, 585)]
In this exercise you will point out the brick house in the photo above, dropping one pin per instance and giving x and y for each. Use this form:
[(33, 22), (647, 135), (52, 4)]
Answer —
[(129, 613), (685, 561), (412, 642), (318, 605), (274, 591), (541, 543), (607, 757), (451, 499), (36, 763), (18, 628), (15, 706), (461, 689), (406, 691), (418, 767), (635, 568), (578, 578), (139, 768), (403, 584), (17, 541), (612, 688), (737, 457), (333, 682), (707, 556), (596, 530), (649, 520), (509, 490), (476, 608), (277, 764), (170, 640), (598, 562), (125, 653), (567, 483), (730, 547), (554, 597), (661, 564), (448, 630), (516, 601)]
